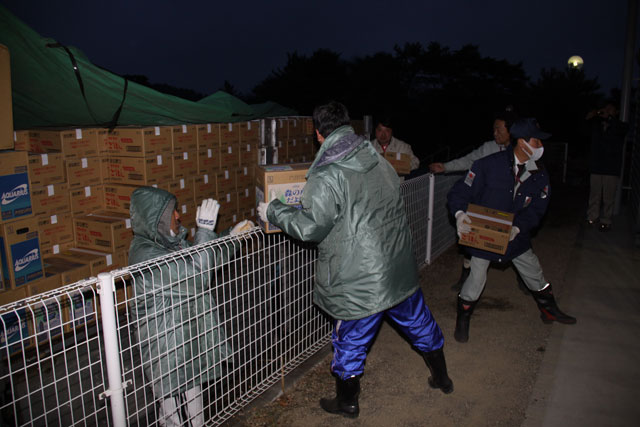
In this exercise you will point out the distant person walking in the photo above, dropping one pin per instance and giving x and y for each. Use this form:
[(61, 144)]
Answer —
[(605, 163)]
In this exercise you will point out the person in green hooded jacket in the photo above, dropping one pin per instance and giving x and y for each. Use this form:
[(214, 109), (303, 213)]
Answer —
[(352, 208), (176, 324)]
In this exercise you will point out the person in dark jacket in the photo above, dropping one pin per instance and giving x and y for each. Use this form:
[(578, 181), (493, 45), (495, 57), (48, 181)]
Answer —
[(513, 181), (366, 270), (605, 163)]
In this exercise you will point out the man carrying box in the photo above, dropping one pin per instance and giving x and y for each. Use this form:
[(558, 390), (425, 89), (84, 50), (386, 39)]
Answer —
[(511, 181), (385, 141), (351, 206)]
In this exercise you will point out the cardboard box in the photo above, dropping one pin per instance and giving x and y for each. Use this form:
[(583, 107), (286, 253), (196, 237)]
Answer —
[(185, 164), (45, 141), (226, 220), (182, 189), (15, 187), (57, 228), (284, 182), (103, 231), (20, 253), (79, 143), (229, 155), (49, 282), (138, 170), (296, 128), (229, 133), (401, 162), (248, 153), (18, 338), (26, 140), (208, 136), (245, 177), (225, 181), (81, 311), (135, 142), (12, 295), (50, 199), (208, 160), (184, 138), (48, 318), (83, 171), (187, 210), (54, 248), (250, 132), (204, 187), (46, 168), (246, 199), (86, 200), (117, 197), (6, 106), (70, 271), (98, 262), (490, 229)]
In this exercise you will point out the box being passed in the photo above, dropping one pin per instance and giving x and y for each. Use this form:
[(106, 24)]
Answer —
[(490, 229), (283, 182)]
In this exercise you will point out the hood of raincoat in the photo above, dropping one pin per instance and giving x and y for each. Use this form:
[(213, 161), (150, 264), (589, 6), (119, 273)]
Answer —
[(351, 151), (151, 210)]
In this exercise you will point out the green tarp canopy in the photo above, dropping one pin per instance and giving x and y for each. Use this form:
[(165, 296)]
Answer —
[(57, 86), (230, 102), (272, 109)]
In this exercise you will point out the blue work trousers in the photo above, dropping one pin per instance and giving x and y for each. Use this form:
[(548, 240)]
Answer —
[(352, 338)]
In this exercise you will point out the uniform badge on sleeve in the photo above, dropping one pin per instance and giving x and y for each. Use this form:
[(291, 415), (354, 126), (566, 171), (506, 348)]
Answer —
[(469, 178), (545, 192)]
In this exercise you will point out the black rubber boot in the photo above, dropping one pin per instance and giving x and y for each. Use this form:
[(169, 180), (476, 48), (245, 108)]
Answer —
[(438, 368), (346, 401), (465, 309), (549, 311), (521, 285), (458, 285)]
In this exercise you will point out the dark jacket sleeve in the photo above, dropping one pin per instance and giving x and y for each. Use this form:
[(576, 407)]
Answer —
[(467, 189)]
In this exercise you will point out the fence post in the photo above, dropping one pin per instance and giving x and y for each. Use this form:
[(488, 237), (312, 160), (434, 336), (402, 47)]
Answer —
[(112, 349), (432, 186)]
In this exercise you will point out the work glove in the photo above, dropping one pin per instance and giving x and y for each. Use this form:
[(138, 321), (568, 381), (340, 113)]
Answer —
[(262, 211), (462, 223), (263, 206), (242, 226), (514, 232), (207, 214)]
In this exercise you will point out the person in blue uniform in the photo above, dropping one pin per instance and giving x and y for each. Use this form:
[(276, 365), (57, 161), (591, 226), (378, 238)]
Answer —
[(513, 181)]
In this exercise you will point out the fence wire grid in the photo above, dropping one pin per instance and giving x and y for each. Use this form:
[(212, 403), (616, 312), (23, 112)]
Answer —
[(215, 325)]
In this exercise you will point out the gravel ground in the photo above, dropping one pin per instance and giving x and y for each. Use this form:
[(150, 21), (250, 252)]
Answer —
[(493, 373)]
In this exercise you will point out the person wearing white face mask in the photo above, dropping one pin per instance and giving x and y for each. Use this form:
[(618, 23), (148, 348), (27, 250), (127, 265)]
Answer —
[(513, 181)]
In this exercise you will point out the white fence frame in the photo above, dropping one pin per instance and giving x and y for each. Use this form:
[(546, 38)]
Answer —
[(59, 365)]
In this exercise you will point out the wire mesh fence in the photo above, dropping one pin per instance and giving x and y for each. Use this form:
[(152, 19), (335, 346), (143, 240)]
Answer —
[(196, 334)]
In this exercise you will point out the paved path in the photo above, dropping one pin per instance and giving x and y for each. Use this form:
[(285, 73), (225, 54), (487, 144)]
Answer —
[(590, 374)]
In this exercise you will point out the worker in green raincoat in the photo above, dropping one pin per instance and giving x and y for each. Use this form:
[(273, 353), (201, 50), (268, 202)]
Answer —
[(176, 324), (366, 270)]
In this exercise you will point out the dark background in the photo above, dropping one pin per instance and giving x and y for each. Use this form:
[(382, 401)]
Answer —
[(440, 69)]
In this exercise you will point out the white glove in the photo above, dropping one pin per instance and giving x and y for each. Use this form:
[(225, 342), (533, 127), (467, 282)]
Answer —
[(242, 226), (462, 223), (262, 211), (514, 232), (207, 214)]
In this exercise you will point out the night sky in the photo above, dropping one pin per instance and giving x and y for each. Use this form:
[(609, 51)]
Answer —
[(199, 44)]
